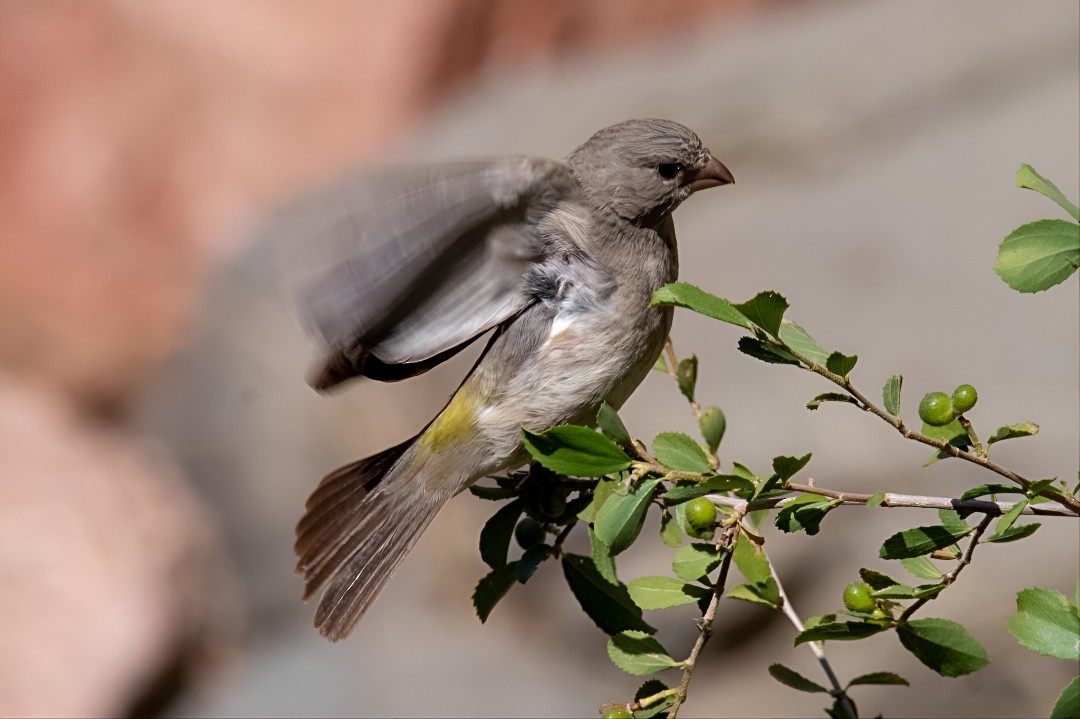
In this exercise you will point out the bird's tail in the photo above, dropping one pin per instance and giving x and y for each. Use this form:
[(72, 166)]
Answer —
[(360, 523)]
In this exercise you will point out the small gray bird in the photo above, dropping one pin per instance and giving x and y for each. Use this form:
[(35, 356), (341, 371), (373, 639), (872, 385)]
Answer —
[(559, 258)]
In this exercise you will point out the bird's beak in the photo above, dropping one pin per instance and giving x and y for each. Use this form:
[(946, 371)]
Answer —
[(714, 174)]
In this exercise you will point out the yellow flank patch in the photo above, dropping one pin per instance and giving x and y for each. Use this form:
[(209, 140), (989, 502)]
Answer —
[(456, 423)]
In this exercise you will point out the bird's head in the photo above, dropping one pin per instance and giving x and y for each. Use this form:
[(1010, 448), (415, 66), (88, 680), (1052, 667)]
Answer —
[(643, 169)]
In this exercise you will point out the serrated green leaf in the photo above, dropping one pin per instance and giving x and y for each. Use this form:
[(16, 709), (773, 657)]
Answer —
[(713, 424), (838, 631), (885, 678), (1012, 431), (1047, 623), (767, 593), (791, 678), (684, 492), (607, 604), (603, 490), (695, 561), (953, 433), (619, 521), (1006, 520), (766, 351), (684, 294), (903, 591), (766, 310), (800, 341), (607, 419), (1027, 178), (686, 374), (890, 394), (1067, 705), (496, 534), (638, 653), (575, 451), (491, 493), (804, 514), (680, 452), (952, 520), (493, 587), (943, 645), (919, 541), (602, 559), (670, 534), (840, 363), (830, 397), (1036, 256), (525, 567), (876, 580), (751, 561), (921, 567), (876, 500), (984, 490), (788, 467), (664, 592), (1014, 533)]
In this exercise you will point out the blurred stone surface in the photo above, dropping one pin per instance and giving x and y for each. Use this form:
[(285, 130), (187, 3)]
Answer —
[(874, 147)]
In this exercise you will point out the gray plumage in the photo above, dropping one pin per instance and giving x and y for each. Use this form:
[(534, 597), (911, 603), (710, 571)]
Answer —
[(402, 270)]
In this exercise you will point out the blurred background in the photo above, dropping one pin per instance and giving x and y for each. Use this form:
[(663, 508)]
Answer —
[(157, 439)]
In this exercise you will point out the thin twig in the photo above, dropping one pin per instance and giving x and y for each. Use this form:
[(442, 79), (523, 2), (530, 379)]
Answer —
[(965, 559)]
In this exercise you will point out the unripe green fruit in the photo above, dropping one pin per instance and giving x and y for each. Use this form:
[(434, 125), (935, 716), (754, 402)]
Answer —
[(701, 514), (553, 502), (857, 597), (619, 711), (936, 409), (882, 617), (529, 533), (964, 398)]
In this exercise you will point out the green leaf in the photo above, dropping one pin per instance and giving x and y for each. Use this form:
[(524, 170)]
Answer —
[(751, 561), (984, 490), (575, 451), (680, 452), (661, 364), (1067, 705), (804, 514), (684, 492), (607, 419), (1014, 533), (1047, 623), (830, 397), (491, 493), (695, 561), (1027, 178), (953, 433), (684, 294), (670, 534), (876, 500), (766, 310), (664, 592), (903, 591), (1012, 431), (602, 559), (876, 580), (800, 341), (603, 490), (766, 351), (638, 653), (496, 534), (886, 678), (841, 364), (493, 587), (791, 678), (788, 467), (713, 425), (1036, 256), (921, 567), (650, 689), (943, 645), (952, 520), (919, 541), (1007, 519), (767, 593), (525, 567), (686, 374), (843, 631), (619, 521), (607, 604), (890, 394)]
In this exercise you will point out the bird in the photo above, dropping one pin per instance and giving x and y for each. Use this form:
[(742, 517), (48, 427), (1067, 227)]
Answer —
[(403, 268)]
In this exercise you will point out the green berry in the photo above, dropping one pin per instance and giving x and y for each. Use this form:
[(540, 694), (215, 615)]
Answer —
[(881, 617), (936, 409), (701, 514), (857, 597), (553, 502), (529, 533), (964, 398), (616, 711)]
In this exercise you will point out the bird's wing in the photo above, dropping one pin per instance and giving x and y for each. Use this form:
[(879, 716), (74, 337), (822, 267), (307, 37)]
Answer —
[(397, 271)]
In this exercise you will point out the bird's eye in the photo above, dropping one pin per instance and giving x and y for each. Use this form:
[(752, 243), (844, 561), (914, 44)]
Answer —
[(668, 170)]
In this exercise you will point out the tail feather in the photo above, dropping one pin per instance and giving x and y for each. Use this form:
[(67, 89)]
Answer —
[(356, 532)]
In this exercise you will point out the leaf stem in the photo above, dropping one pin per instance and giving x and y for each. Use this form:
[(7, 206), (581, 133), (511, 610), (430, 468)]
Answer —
[(965, 559), (975, 443)]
